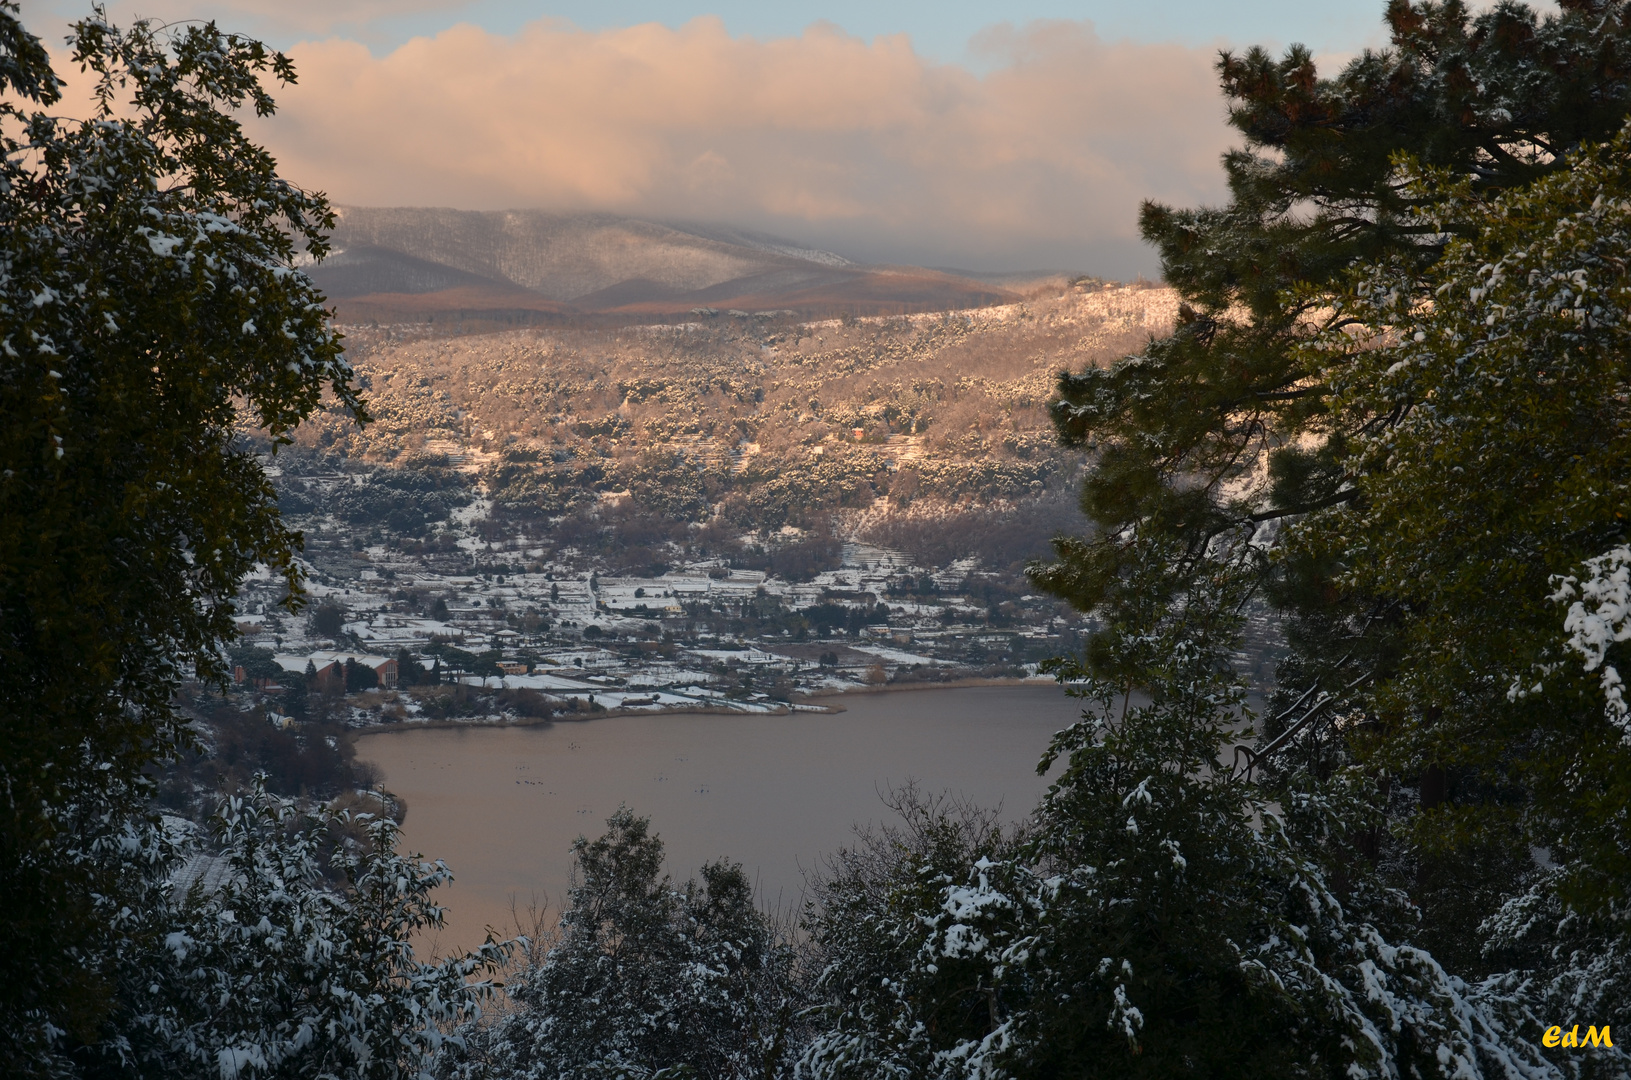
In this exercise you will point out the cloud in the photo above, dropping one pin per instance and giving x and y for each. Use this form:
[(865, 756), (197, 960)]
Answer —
[(1039, 160), (279, 19), (321, 16)]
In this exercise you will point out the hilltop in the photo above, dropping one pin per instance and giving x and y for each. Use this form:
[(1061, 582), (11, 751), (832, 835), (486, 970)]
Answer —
[(529, 266)]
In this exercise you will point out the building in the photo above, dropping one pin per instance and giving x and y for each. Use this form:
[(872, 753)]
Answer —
[(330, 666)]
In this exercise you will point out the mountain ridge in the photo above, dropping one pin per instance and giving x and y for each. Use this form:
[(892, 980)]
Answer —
[(414, 264)]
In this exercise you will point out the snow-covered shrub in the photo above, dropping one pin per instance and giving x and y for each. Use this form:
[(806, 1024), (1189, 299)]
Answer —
[(293, 957), (1600, 617), (110, 870), (887, 1004), (1577, 969)]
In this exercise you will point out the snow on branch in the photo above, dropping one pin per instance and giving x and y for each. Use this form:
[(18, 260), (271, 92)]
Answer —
[(1600, 616)]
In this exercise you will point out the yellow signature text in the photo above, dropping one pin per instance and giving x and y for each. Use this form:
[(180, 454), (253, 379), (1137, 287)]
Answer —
[(1556, 1036)]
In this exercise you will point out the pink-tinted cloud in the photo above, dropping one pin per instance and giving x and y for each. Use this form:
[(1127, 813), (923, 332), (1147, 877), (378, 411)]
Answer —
[(278, 20), (864, 147)]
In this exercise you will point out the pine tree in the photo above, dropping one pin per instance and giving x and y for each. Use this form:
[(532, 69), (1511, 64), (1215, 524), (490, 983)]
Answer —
[(1494, 472), (1225, 425), (1158, 918), (1243, 446)]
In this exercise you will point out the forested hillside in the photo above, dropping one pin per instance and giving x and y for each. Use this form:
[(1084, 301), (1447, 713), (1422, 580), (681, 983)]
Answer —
[(766, 421)]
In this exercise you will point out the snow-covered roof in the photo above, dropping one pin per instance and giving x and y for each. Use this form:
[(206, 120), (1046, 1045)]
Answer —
[(324, 658)]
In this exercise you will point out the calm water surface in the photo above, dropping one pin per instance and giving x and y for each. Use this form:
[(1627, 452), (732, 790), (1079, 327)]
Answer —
[(502, 805)]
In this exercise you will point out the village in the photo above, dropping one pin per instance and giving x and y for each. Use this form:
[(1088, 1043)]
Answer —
[(496, 632), (743, 514)]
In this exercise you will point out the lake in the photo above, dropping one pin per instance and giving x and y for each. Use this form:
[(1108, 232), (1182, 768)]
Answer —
[(502, 805)]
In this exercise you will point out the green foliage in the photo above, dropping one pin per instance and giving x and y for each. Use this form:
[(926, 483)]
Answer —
[(359, 677), (286, 950), (1225, 424), (484, 663), (883, 1012), (402, 500), (148, 304), (273, 971), (256, 662), (1157, 918), (1498, 97), (1494, 458), (313, 759), (54, 1012), (646, 980), (1392, 408), (410, 672)]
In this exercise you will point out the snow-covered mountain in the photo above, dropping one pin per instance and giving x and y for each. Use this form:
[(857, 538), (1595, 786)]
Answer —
[(394, 264)]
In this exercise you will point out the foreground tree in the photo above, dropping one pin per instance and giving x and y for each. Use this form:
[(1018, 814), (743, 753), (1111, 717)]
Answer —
[(289, 954), (1493, 476), (1225, 426), (148, 303), (1260, 439), (1157, 918), (643, 979)]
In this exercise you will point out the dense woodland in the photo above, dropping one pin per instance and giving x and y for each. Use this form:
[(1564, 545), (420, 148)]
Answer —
[(1394, 410)]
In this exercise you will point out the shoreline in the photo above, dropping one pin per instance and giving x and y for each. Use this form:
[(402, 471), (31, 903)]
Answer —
[(949, 684), (550, 721), (821, 704)]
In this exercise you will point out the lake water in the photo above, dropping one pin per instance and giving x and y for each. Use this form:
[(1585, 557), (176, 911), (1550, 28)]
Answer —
[(502, 805)]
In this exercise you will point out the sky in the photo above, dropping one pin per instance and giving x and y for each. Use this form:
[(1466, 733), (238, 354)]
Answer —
[(950, 133)]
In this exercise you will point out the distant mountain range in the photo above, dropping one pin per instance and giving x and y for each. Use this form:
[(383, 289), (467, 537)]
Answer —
[(410, 264)]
